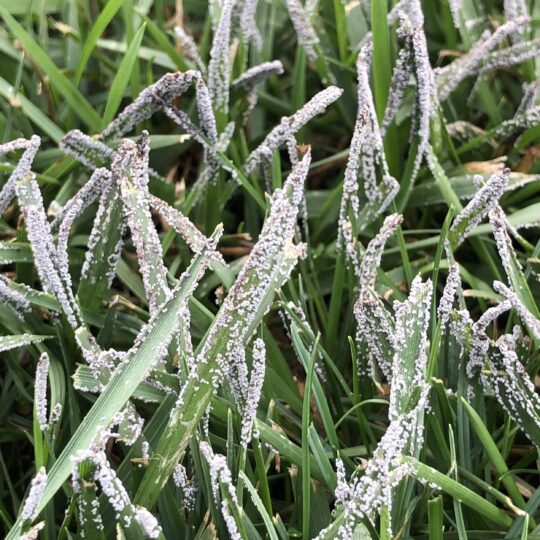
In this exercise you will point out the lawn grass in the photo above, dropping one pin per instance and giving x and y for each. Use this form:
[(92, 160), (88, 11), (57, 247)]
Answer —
[(269, 269)]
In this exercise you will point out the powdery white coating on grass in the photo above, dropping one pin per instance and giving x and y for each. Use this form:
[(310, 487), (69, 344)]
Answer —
[(104, 214), (74, 208), (364, 497), (149, 101), (269, 264), (193, 237), (294, 314), (185, 345), (511, 384), (132, 167), (88, 193), (12, 298), (182, 119), (455, 8), (449, 77), (33, 533), (375, 329), (88, 150), (221, 475), (14, 145), (187, 485), (366, 155), (248, 24), (514, 9), (56, 413), (497, 219), (253, 391), (371, 150), (149, 524), (207, 134), (101, 362), (218, 67), (86, 461), (479, 206), (490, 315), (22, 169), (130, 425), (236, 372), (411, 29), (425, 95), (525, 120), (40, 391), (446, 303), (12, 342), (189, 48), (532, 323), (207, 119), (289, 125), (411, 8), (305, 33), (479, 341), (516, 54), (411, 315), (349, 241), (32, 500), (162, 349), (208, 125), (126, 512), (401, 79), (373, 320), (529, 97), (53, 276), (256, 75), (371, 259)]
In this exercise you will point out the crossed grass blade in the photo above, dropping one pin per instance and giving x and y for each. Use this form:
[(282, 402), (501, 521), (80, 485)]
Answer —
[(266, 269), (151, 344)]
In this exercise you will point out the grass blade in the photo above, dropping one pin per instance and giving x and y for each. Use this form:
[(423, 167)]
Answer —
[(121, 79), (105, 17), (73, 97)]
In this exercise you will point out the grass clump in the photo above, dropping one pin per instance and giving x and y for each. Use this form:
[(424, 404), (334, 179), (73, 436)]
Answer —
[(269, 270)]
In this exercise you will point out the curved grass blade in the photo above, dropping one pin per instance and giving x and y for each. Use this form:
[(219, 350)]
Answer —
[(458, 491)]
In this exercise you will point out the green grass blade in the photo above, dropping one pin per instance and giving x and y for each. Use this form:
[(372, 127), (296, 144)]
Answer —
[(306, 477), (121, 78), (270, 529), (33, 113), (435, 518), (458, 491), (105, 17), (494, 455)]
